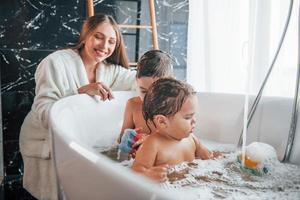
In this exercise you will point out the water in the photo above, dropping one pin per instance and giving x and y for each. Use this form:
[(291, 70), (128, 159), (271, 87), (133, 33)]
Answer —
[(115, 154), (224, 178)]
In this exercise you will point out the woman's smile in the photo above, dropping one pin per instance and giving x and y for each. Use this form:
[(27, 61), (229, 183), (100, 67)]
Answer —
[(100, 52)]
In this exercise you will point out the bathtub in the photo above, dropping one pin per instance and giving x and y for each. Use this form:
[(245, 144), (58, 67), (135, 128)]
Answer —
[(77, 123)]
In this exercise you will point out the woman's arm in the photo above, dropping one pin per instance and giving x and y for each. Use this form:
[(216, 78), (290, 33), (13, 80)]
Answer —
[(123, 79), (49, 88)]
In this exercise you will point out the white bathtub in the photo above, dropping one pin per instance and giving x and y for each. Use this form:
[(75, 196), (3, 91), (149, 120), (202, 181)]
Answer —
[(79, 122)]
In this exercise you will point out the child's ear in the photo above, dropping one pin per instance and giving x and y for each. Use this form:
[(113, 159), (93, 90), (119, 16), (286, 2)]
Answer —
[(161, 121)]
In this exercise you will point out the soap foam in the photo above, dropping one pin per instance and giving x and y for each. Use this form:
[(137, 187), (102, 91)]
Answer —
[(223, 178), (260, 152)]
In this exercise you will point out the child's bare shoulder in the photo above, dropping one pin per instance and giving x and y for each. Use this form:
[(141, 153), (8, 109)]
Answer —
[(134, 101), (151, 140), (193, 137), (150, 144)]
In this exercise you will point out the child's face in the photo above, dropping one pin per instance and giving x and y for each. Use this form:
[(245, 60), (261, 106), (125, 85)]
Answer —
[(143, 84), (182, 124)]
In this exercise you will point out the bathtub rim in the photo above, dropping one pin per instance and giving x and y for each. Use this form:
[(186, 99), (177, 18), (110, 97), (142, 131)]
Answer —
[(138, 180)]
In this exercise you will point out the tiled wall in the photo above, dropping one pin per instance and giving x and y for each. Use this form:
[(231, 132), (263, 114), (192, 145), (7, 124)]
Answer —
[(30, 30)]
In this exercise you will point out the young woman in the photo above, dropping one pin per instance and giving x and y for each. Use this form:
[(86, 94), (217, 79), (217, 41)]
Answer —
[(95, 66)]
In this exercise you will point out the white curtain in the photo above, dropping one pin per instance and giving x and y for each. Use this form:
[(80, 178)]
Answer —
[(232, 43)]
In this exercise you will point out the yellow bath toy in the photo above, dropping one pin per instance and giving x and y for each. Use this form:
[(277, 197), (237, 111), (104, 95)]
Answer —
[(249, 162), (259, 157)]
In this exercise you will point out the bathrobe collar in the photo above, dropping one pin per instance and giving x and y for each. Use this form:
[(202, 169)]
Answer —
[(101, 71), (79, 70)]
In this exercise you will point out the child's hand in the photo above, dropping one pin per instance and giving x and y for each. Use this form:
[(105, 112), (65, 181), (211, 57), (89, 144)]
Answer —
[(143, 137), (206, 154), (158, 173), (216, 154)]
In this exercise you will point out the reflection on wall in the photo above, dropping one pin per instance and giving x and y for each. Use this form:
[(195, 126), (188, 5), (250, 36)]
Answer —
[(171, 17), (30, 30)]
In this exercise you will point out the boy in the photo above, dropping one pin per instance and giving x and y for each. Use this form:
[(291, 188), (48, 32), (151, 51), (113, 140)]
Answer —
[(154, 64)]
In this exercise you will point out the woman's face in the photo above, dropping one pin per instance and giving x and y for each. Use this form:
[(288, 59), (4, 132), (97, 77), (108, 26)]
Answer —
[(101, 43), (143, 84)]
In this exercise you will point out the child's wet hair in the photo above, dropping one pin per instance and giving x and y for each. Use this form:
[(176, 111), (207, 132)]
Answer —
[(155, 63), (165, 97)]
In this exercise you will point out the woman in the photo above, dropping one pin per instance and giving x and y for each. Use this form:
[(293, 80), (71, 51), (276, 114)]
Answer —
[(95, 66)]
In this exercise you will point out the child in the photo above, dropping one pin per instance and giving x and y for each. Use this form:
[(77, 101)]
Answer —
[(170, 107), (154, 64)]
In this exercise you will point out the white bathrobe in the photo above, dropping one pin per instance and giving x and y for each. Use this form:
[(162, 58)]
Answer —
[(59, 75)]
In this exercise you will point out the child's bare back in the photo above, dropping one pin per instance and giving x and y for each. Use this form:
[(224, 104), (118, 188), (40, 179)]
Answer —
[(153, 65), (133, 116)]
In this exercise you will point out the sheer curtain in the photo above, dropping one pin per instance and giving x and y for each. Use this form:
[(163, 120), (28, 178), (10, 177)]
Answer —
[(232, 40)]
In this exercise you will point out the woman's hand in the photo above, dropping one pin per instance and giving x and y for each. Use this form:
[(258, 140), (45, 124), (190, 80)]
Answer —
[(98, 88)]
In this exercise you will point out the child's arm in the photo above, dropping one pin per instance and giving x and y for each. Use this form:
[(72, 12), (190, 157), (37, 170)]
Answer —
[(145, 160), (201, 151), (128, 119)]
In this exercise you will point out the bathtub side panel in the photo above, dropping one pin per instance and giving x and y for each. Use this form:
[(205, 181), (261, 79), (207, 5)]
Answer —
[(83, 176), (295, 154)]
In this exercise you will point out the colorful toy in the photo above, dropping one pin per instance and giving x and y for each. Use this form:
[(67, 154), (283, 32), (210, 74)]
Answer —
[(259, 157), (129, 137)]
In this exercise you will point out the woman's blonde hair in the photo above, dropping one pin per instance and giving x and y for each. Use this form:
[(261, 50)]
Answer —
[(119, 55)]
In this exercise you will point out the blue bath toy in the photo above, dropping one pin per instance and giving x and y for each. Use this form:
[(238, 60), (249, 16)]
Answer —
[(129, 137)]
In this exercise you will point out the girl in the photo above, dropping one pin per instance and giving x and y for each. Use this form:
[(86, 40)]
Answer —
[(170, 107)]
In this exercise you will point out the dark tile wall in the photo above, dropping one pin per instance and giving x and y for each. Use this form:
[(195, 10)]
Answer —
[(32, 29), (29, 31)]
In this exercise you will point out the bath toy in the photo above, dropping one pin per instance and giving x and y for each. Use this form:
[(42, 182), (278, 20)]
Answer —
[(129, 137), (259, 157)]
